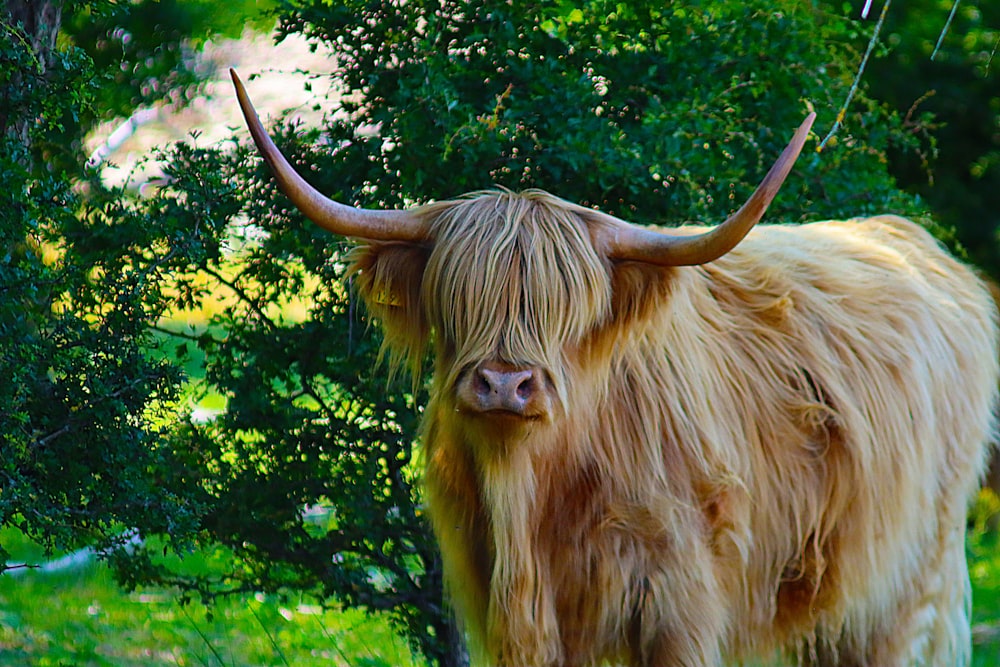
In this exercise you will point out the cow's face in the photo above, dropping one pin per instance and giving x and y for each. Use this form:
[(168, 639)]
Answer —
[(511, 289), (512, 293)]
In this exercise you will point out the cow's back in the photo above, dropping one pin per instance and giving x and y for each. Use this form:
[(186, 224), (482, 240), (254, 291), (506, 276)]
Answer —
[(842, 383)]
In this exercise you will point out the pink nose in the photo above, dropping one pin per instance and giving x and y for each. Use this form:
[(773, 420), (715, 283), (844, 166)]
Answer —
[(501, 387)]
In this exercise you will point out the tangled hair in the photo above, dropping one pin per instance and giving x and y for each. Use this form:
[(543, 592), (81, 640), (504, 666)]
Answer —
[(769, 453), (511, 276)]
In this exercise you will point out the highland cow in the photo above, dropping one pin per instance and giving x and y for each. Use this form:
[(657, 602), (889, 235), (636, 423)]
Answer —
[(688, 446)]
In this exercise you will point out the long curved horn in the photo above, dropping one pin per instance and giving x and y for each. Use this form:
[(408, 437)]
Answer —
[(633, 242), (328, 214)]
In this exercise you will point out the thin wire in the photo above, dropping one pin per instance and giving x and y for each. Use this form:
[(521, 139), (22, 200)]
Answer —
[(989, 62), (857, 79), (944, 30)]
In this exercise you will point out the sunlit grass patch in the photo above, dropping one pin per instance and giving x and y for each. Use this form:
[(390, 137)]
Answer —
[(80, 617), (984, 571)]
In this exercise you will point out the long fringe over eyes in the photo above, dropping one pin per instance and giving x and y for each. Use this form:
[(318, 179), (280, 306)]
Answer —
[(512, 278)]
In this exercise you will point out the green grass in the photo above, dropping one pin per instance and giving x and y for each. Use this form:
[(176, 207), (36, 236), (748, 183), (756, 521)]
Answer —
[(984, 571), (80, 618)]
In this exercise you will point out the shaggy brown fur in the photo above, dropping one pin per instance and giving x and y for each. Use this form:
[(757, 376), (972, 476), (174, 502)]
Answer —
[(770, 454)]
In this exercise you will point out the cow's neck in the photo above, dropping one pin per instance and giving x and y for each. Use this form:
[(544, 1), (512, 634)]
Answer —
[(521, 613)]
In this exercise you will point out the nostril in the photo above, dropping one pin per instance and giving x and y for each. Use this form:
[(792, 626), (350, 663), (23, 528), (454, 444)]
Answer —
[(526, 387), (482, 384)]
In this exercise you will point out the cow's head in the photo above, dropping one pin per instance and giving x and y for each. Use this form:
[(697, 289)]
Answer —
[(515, 290)]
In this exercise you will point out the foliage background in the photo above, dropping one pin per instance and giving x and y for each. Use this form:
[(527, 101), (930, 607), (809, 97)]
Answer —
[(308, 479), (946, 85)]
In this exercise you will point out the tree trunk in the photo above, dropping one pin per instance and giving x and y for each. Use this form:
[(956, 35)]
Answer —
[(37, 23), (455, 654), (446, 648)]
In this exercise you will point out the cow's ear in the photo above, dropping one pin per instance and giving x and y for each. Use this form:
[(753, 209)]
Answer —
[(389, 278)]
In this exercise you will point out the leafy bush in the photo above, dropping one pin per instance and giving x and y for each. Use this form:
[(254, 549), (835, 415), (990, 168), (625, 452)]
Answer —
[(653, 113), (943, 75), (82, 400)]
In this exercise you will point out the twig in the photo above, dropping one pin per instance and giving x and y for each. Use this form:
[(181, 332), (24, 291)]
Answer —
[(989, 62), (908, 118), (243, 295), (17, 568), (204, 637), (333, 642), (19, 36), (857, 78), (180, 334), (270, 637)]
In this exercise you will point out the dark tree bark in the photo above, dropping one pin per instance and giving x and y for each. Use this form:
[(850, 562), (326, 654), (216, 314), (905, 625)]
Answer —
[(39, 22), (36, 22), (457, 655)]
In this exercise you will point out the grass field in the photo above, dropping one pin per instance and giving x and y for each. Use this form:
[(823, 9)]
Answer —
[(79, 618), (984, 571)]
